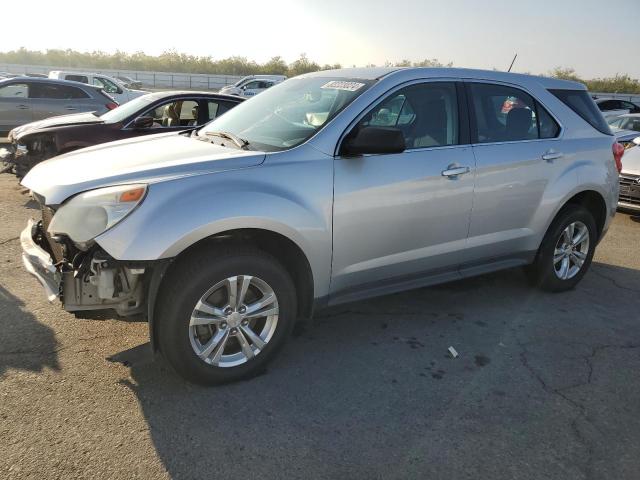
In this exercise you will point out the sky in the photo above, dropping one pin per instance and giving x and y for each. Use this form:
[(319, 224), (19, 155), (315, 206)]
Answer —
[(596, 38)]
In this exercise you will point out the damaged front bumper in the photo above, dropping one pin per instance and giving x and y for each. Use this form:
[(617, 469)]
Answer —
[(94, 281), (38, 262)]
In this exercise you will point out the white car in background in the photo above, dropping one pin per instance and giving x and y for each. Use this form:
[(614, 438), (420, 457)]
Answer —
[(110, 85), (252, 85), (613, 107), (629, 198)]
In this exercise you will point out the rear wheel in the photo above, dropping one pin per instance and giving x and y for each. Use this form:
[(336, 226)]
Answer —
[(223, 316), (566, 250)]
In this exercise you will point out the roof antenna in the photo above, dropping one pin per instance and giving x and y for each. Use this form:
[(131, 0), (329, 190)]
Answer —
[(512, 62)]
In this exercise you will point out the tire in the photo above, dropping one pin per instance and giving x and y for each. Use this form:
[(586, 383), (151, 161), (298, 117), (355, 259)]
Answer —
[(547, 272), (205, 279)]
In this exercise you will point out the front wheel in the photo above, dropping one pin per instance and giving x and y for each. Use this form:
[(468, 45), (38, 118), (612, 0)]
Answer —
[(566, 250), (223, 315)]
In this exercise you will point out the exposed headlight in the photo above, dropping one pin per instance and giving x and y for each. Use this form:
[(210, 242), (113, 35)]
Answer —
[(88, 214)]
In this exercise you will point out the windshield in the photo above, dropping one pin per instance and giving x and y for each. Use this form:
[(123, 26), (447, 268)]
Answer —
[(615, 121), (125, 111), (288, 114), (626, 123)]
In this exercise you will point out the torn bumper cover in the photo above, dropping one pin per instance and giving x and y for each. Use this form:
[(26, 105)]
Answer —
[(95, 282), (39, 263)]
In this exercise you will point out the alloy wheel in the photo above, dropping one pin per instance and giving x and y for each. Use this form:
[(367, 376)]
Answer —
[(233, 321), (571, 250)]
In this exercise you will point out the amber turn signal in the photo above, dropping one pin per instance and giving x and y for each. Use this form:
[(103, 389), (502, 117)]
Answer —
[(132, 195)]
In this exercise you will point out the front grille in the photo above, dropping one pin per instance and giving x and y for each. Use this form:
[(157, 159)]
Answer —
[(630, 188)]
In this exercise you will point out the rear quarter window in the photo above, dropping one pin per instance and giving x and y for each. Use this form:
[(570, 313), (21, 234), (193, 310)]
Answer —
[(581, 103)]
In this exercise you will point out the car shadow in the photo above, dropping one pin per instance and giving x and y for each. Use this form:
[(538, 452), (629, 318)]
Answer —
[(26, 343), (370, 391)]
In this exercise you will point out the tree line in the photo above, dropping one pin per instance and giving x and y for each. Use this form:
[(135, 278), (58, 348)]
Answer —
[(173, 61)]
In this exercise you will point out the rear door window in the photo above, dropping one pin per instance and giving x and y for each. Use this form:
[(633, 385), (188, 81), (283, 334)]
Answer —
[(176, 113), (507, 114), (56, 92), (582, 104)]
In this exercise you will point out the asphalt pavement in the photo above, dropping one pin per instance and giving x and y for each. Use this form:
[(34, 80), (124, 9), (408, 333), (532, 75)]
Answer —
[(546, 386)]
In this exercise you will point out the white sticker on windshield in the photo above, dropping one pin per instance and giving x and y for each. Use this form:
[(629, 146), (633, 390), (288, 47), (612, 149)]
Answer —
[(348, 86)]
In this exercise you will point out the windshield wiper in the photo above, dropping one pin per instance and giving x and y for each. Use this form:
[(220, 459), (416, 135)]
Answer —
[(240, 142)]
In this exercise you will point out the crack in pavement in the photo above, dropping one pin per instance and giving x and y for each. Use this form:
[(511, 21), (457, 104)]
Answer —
[(614, 281), (9, 240), (578, 406)]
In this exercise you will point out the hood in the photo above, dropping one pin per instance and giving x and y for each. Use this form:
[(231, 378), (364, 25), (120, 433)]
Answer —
[(148, 159), (631, 161), (61, 120), (230, 90)]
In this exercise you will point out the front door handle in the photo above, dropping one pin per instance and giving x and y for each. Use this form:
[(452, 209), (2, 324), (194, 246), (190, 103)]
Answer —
[(71, 109), (23, 107), (453, 171), (551, 155)]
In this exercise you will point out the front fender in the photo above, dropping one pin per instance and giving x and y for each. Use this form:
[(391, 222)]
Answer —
[(293, 200)]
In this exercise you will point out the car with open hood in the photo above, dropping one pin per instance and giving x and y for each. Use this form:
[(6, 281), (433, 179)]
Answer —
[(153, 113), (327, 188)]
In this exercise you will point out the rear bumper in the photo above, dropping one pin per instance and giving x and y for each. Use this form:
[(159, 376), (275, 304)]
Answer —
[(39, 263), (629, 206)]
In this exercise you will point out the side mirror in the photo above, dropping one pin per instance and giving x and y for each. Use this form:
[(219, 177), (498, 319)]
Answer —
[(378, 140), (143, 122)]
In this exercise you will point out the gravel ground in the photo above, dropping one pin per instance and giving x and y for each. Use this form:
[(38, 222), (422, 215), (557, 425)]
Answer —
[(546, 386)]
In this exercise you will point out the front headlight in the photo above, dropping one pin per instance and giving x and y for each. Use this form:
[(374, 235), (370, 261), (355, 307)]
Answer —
[(88, 214)]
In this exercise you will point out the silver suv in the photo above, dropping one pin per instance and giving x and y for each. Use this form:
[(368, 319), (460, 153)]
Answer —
[(26, 99), (328, 188)]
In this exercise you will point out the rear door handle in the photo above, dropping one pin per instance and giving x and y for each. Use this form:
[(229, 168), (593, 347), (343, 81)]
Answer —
[(552, 155), (71, 109), (453, 171)]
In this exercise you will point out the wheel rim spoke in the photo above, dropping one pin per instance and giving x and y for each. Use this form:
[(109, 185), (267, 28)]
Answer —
[(581, 236), (246, 348), (232, 289), (260, 304), (244, 286), (557, 256), (568, 234), (215, 346), (564, 267), (255, 339), (215, 315), (576, 260)]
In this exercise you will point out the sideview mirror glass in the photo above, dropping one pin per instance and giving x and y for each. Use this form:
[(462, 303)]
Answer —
[(373, 140), (143, 122)]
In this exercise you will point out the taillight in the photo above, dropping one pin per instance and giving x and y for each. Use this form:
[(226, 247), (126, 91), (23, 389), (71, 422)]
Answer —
[(111, 105), (618, 151)]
